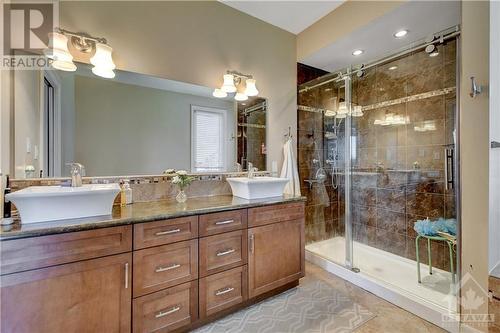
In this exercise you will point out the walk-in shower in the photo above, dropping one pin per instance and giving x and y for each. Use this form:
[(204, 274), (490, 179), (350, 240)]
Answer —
[(399, 166)]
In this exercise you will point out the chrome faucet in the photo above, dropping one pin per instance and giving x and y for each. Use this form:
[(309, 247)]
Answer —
[(251, 170), (77, 171)]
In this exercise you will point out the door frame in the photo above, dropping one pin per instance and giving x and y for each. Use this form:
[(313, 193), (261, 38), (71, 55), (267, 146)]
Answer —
[(55, 81)]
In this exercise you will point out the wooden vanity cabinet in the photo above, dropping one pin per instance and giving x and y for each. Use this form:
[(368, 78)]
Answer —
[(276, 255), (87, 296), (186, 272)]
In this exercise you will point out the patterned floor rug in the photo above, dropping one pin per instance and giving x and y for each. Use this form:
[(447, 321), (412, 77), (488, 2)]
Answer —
[(312, 307)]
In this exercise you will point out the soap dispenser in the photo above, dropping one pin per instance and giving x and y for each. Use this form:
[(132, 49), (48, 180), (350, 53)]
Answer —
[(126, 193)]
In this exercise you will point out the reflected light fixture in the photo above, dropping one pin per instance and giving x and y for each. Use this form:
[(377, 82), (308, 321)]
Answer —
[(251, 89), (391, 119), (330, 113), (59, 53), (102, 61), (342, 109), (393, 68), (400, 33), (219, 93), (231, 84), (357, 52), (357, 111), (240, 97)]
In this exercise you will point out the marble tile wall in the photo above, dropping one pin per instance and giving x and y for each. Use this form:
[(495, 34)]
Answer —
[(398, 171), (149, 188)]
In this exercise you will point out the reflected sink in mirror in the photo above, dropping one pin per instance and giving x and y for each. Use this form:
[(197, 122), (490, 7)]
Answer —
[(258, 187), (49, 203)]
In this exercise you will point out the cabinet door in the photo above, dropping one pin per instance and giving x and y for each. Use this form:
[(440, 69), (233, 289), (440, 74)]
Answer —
[(275, 256), (87, 296)]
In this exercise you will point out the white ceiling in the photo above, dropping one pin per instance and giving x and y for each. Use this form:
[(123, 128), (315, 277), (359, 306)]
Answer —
[(292, 16), (420, 18)]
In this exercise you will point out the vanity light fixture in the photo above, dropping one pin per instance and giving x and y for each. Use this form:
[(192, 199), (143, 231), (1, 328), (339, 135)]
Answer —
[(102, 61), (63, 60), (251, 89), (228, 85), (400, 33), (231, 82), (357, 52), (59, 53)]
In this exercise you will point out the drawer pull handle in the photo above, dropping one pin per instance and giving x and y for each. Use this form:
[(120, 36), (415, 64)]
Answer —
[(160, 269), (168, 232), (223, 291), (223, 253), (166, 313), (224, 222)]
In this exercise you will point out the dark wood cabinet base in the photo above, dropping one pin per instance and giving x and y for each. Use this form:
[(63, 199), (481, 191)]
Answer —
[(164, 276)]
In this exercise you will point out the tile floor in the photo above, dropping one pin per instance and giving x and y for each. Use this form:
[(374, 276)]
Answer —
[(389, 318)]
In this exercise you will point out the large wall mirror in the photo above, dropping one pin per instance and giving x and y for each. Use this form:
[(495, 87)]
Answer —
[(133, 124)]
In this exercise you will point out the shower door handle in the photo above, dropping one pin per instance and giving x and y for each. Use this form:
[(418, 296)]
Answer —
[(449, 172)]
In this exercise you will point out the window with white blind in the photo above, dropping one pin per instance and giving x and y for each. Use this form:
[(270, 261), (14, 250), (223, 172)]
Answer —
[(208, 149)]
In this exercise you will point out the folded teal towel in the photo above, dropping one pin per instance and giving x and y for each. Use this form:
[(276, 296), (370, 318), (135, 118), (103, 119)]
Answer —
[(431, 228)]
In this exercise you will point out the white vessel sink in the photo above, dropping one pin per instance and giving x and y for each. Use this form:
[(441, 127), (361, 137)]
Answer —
[(49, 203), (258, 187)]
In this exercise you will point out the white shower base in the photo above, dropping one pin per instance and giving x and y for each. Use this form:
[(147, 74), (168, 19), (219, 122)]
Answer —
[(388, 275)]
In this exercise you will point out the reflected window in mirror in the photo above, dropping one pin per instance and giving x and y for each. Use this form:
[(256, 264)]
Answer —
[(208, 144), (252, 146)]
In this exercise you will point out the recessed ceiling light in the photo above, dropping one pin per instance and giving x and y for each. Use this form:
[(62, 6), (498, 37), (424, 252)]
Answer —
[(401, 33), (393, 68), (357, 52)]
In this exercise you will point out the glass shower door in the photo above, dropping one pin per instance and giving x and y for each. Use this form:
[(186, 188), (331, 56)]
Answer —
[(321, 165), (403, 170)]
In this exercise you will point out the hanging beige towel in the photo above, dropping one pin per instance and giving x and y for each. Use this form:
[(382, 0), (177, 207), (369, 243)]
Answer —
[(289, 170)]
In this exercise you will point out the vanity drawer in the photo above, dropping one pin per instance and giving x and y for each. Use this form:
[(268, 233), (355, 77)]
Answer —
[(221, 252), (223, 290), (165, 266), (37, 252), (166, 310), (216, 223), (275, 213), (165, 232)]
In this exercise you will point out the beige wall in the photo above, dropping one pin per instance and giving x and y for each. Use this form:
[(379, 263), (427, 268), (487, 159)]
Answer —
[(345, 19), (474, 149), (197, 42), (123, 129)]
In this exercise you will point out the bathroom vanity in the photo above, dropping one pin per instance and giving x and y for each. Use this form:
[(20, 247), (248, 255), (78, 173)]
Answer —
[(153, 266)]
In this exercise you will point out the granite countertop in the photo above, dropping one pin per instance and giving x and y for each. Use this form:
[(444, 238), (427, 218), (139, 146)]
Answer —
[(138, 213)]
